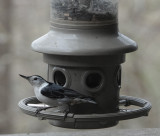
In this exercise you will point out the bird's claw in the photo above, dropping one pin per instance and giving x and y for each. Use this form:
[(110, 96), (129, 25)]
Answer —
[(66, 113), (39, 109)]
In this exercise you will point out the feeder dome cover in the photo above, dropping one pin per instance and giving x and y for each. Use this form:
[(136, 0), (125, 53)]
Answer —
[(83, 28)]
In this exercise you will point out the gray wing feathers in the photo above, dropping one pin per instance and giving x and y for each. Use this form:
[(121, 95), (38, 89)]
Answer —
[(58, 92)]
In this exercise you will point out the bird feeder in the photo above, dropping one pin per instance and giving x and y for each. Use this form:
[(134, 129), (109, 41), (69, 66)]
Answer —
[(84, 51)]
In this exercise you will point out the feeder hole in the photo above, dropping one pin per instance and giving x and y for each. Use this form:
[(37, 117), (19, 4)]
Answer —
[(59, 78), (93, 80)]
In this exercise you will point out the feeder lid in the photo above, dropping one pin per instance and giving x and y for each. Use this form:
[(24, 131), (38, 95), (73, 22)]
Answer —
[(60, 41)]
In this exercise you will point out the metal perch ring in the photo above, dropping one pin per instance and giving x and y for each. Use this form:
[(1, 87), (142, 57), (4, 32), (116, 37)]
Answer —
[(123, 114)]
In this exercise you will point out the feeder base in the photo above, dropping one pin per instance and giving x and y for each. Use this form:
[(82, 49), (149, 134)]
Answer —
[(83, 125), (88, 121)]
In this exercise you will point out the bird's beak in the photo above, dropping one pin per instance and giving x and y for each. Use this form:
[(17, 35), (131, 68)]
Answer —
[(25, 77)]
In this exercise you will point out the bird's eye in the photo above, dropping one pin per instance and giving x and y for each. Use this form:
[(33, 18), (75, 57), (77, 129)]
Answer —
[(35, 78)]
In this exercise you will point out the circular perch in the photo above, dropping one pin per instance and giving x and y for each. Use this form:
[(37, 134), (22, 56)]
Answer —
[(93, 120)]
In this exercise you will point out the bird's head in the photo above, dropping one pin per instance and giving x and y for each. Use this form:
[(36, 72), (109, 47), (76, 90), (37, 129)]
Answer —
[(34, 80)]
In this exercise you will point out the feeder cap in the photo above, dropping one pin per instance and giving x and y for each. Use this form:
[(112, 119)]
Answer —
[(74, 42)]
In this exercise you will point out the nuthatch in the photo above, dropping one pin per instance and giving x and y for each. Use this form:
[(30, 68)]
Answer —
[(53, 94)]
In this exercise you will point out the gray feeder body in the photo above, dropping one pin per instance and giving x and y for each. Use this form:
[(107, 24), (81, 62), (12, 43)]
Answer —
[(84, 51)]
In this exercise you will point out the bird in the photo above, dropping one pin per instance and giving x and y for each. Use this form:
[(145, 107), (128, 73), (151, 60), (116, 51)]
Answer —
[(56, 95)]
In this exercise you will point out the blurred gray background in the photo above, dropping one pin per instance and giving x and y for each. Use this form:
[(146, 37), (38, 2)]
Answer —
[(22, 21)]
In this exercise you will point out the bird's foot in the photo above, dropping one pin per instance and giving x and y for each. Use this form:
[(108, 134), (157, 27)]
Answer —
[(66, 113), (39, 109)]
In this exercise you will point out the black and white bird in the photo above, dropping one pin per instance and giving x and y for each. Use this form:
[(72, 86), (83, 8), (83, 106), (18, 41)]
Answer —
[(53, 94)]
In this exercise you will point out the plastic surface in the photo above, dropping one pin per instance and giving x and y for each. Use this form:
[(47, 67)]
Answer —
[(83, 43)]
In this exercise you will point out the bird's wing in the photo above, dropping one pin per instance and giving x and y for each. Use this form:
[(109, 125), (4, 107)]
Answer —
[(59, 92), (52, 91), (77, 97), (70, 93), (56, 91)]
